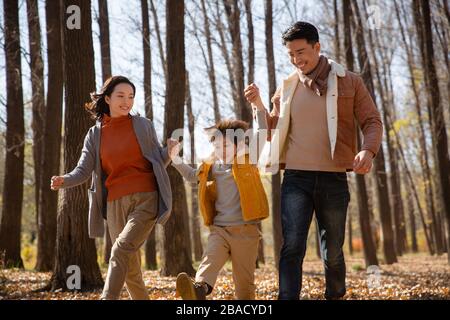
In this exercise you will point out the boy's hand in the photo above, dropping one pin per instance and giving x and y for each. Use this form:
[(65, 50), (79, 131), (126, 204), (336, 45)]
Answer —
[(252, 95), (363, 162), (56, 182), (173, 148)]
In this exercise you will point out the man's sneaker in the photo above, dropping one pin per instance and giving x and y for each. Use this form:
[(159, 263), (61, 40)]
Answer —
[(188, 289)]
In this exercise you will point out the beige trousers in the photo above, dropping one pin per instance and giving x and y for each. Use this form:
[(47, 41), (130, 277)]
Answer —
[(240, 243), (130, 220)]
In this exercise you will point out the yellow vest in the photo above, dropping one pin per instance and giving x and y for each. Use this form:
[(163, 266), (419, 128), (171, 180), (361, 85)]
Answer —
[(253, 198)]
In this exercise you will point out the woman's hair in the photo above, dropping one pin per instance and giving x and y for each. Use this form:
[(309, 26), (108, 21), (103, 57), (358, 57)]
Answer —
[(228, 124), (98, 106)]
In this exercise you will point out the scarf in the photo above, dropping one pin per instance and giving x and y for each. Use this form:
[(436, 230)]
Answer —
[(316, 80)]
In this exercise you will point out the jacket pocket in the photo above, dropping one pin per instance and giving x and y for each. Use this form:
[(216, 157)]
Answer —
[(93, 205), (345, 103)]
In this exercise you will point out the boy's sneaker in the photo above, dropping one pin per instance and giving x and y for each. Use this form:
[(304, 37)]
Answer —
[(188, 289)]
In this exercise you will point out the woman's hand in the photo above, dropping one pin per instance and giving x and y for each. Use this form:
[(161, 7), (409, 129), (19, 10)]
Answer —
[(56, 182), (173, 148)]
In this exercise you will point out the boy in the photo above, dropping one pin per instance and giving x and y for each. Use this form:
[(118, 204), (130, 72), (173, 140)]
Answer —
[(232, 201)]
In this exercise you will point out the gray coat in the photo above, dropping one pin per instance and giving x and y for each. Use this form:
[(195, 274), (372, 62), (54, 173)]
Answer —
[(89, 165)]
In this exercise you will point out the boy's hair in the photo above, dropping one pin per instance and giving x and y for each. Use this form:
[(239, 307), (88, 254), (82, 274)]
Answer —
[(301, 30), (228, 124)]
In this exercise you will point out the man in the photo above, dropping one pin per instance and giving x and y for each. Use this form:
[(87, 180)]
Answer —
[(316, 113)]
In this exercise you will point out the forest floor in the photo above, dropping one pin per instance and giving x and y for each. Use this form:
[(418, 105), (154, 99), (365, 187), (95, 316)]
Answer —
[(415, 276)]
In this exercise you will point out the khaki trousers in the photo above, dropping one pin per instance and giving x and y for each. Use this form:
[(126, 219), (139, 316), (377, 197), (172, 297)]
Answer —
[(130, 220), (240, 243)]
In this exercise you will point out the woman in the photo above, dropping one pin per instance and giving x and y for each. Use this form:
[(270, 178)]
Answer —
[(130, 186)]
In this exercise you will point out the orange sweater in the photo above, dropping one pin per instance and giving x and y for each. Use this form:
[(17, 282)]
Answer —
[(122, 160)]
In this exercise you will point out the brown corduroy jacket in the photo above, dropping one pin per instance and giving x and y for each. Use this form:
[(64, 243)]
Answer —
[(349, 105)]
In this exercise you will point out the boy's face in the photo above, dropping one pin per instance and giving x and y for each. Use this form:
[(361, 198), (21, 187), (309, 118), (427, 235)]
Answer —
[(224, 149), (303, 55)]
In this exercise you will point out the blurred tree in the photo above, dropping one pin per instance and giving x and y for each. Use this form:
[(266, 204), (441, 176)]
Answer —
[(176, 256), (15, 141), (370, 252), (73, 245), (105, 52), (51, 154)]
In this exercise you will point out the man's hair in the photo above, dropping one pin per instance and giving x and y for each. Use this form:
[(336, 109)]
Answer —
[(225, 125), (301, 30)]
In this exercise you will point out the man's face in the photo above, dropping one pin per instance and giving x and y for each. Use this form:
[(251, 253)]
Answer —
[(303, 55)]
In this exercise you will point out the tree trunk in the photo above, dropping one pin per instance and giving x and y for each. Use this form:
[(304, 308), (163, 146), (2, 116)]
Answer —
[(414, 191), (337, 53), (51, 154), (442, 31), (150, 244), (250, 79), (411, 215), (176, 257), (423, 25), (158, 37), (396, 201), (211, 68), (337, 45), (426, 171), (150, 251), (73, 245), (147, 61), (379, 161), (226, 57), (194, 219), (275, 180), (350, 232), (37, 89), (251, 41), (370, 252), (15, 141), (233, 15), (103, 21), (368, 238)]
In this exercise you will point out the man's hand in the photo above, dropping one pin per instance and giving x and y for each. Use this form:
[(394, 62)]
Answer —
[(252, 95), (363, 162), (173, 148)]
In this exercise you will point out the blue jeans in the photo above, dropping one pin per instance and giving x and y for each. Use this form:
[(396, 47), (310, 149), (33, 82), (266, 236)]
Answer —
[(326, 194)]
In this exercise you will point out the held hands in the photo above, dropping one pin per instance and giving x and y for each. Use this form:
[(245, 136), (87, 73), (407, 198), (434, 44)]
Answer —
[(173, 148), (253, 96), (56, 182), (276, 100), (363, 162), (251, 93)]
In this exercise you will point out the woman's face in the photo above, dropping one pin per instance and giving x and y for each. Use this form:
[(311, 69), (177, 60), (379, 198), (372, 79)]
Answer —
[(121, 100)]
